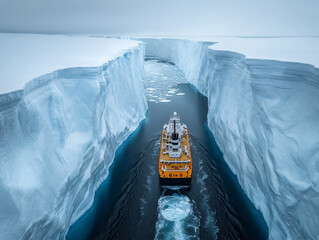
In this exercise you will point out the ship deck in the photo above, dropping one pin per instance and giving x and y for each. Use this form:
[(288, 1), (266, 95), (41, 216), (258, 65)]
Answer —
[(175, 168)]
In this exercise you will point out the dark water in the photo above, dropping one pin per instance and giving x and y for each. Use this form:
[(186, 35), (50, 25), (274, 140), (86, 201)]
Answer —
[(131, 205)]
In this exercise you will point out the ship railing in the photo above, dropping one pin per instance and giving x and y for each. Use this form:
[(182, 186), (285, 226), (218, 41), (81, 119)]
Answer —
[(175, 170), (176, 161)]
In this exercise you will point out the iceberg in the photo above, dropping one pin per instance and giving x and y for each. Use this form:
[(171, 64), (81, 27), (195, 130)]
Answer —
[(264, 115), (58, 137)]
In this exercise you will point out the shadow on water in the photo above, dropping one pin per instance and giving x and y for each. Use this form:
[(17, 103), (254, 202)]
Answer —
[(131, 205)]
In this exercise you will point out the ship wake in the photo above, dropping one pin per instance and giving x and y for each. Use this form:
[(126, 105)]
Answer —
[(178, 217)]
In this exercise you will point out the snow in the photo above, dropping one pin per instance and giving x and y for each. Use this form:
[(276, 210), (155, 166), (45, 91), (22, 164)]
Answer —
[(26, 56), (58, 136), (289, 49), (264, 116), (301, 49)]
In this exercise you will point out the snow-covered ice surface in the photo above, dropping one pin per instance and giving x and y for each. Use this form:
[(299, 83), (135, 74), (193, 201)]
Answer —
[(264, 115), (294, 49), (302, 50), (58, 136), (290, 49), (26, 56)]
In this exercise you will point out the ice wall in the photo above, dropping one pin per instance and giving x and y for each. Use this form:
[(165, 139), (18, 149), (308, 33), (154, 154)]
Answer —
[(264, 115), (58, 137)]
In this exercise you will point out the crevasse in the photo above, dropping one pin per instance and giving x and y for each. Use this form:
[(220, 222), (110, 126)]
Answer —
[(264, 115), (58, 138)]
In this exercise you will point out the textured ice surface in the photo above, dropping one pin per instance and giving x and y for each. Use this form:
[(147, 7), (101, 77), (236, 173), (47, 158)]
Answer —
[(58, 137), (264, 115), (161, 80)]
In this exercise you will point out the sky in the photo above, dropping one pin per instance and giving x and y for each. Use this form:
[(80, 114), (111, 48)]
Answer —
[(162, 17)]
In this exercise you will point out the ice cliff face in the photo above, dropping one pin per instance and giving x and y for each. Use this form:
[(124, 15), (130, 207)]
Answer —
[(58, 138), (264, 115)]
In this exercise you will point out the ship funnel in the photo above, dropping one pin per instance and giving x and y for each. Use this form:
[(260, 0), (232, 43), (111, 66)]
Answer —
[(174, 135)]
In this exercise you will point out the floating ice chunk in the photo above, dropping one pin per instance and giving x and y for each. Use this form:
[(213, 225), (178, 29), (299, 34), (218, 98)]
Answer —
[(165, 100), (172, 91)]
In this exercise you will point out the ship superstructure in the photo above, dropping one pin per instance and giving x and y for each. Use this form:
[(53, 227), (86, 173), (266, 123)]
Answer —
[(175, 158)]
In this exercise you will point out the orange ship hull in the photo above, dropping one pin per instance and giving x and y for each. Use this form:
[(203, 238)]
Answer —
[(175, 171)]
